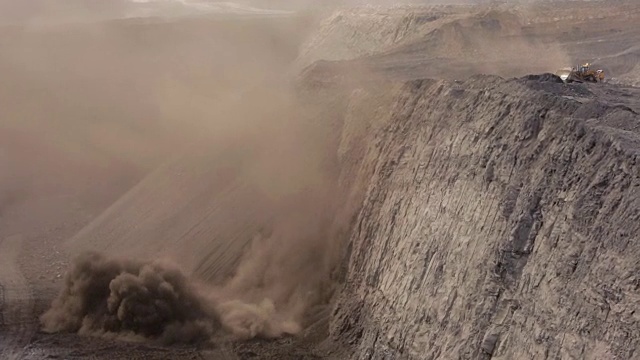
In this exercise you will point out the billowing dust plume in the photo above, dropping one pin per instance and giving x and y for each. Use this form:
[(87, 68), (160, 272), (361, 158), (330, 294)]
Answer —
[(284, 273), (280, 276), (130, 299), (259, 132)]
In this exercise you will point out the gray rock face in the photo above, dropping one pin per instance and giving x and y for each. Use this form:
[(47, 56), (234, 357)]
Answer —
[(501, 222)]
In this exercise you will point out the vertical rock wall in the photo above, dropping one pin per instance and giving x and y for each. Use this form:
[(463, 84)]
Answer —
[(501, 222)]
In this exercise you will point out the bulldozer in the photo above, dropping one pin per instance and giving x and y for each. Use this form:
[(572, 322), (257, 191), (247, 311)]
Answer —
[(581, 73)]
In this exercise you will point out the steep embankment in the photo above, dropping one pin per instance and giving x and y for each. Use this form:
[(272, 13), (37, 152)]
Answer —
[(354, 32), (457, 41), (449, 42), (500, 222)]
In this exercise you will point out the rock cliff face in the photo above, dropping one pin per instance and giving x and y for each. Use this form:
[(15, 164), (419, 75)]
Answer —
[(500, 222), (360, 31)]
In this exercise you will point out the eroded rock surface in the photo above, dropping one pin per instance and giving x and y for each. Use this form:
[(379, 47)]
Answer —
[(501, 222)]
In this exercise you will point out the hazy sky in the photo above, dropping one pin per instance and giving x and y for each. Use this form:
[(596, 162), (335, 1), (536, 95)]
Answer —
[(47, 11), (17, 11), (44, 11)]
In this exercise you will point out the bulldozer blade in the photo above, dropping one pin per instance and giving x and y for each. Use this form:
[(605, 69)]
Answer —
[(564, 74)]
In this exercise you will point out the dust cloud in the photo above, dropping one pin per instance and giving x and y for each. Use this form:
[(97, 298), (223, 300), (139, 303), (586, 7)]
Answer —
[(284, 271), (129, 299), (278, 279), (281, 275), (48, 12), (139, 94)]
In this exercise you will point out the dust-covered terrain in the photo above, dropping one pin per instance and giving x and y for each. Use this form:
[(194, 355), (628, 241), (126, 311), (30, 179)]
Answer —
[(203, 180)]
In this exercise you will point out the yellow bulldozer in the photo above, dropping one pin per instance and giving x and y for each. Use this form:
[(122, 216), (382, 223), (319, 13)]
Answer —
[(581, 73)]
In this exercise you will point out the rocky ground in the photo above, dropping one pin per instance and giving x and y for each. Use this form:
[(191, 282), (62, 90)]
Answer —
[(483, 212)]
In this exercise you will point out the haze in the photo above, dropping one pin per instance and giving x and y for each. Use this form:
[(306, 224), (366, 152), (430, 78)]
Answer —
[(283, 179)]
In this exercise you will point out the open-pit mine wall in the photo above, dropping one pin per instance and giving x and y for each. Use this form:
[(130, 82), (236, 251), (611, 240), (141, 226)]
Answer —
[(500, 221)]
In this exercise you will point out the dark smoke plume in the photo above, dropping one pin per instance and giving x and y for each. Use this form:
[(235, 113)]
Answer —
[(130, 299)]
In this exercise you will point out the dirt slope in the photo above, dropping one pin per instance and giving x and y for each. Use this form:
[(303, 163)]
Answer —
[(458, 41), (360, 31), (500, 222), (188, 210)]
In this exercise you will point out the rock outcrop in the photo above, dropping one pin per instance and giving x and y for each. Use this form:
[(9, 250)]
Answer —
[(500, 222)]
